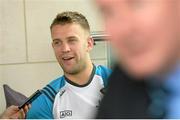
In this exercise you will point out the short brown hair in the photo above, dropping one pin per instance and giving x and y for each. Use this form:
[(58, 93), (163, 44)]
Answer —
[(71, 17)]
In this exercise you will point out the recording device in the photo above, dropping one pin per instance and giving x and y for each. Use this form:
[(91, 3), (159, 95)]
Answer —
[(31, 98)]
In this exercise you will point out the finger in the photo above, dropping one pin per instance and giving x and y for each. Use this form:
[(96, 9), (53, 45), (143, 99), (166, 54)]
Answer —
[(26, 108), (13, 107), (11, 112), (29, 106), (21, 114)]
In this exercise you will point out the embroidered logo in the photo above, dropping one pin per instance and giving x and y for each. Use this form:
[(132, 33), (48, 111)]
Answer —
[(62, 92), (65, 113)]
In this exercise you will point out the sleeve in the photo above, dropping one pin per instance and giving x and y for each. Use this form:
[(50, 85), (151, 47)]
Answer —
[(41, 108), (104, 72)]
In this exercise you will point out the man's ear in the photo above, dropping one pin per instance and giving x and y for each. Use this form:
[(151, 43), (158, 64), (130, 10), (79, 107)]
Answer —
[(90, 43)]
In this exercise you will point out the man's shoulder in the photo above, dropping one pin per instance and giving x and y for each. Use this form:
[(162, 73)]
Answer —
[(57, 83), (51, 89), (103, 68), (103, 71)]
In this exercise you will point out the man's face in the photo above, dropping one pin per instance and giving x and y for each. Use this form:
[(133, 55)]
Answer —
[(71, 45), (144, 33)]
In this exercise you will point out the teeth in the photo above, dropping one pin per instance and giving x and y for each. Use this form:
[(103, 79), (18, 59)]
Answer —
[(67, 58)]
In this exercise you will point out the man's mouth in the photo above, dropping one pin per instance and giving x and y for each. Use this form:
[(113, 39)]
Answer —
[(67, 58)]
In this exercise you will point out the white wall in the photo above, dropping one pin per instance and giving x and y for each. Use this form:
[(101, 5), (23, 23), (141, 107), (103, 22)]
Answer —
[(27, 60)]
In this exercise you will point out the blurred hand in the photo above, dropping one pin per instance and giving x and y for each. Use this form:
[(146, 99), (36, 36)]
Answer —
[(13, 112)]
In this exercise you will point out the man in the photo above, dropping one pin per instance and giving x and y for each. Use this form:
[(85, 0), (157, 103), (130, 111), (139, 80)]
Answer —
[(79, 89), (13, 112), (146, 39)]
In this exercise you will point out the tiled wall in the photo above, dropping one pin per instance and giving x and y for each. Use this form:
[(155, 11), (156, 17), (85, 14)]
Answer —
[(27, 60)]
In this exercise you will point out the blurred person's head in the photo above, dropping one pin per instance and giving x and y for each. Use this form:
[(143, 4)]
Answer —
[(144, 33), (72, 43)]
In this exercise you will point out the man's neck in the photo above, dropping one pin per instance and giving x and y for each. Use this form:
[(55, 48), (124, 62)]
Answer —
[(82, 77)]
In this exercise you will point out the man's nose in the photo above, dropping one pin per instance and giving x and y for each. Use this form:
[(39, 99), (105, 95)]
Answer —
[(65, 48)]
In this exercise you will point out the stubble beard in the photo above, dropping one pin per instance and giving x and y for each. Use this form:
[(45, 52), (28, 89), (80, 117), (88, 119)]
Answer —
[(76, 68)]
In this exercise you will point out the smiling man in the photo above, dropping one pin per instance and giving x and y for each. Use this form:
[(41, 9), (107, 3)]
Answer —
[(78, 91), (145, 35)]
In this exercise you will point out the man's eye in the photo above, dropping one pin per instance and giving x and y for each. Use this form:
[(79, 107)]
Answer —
[(56, 42), (72, 40)]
